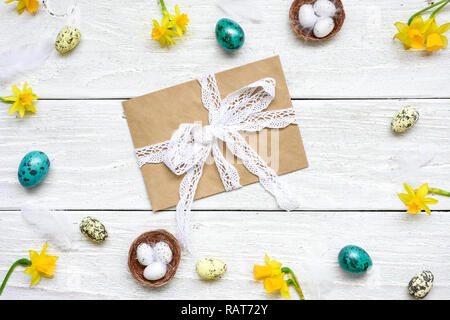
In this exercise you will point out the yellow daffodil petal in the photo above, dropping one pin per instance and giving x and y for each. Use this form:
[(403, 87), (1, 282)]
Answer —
[(427, 210), (402, 27), (422, 191), (10, 98), (35, 277), (404, 197), (417, 22), (444, 41), (30, 108), (44, 249), (21, 7), (261, 272), (16, 90), (30, 270), (15, 106), (285, 291), (443, 28), (430, 201), (409, 190), (177, 10)]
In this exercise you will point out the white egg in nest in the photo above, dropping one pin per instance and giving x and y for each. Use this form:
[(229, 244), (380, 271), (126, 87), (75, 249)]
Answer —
[(145, 254), (306, 16), (163, 252), (324, 8), (323, 27), (155, 271)]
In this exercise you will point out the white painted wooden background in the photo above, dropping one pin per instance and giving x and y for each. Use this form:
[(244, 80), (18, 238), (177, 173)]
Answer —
[(345, 90)]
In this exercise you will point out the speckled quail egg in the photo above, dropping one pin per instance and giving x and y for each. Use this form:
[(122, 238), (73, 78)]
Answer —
[(324, 8), (144, 254), (155, 271), (163, 252), (306, 16), (323, 27), (93, 229), (210, 268), (68, 39), (404, 119), (421, 284)]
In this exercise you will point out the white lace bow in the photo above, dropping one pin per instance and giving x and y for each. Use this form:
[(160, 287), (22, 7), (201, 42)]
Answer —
[(191, 144)]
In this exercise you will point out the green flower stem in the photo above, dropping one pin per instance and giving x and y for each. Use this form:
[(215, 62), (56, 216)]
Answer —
[(294, 281), (426, 9), (439, 9), (439, 191), (22, 262), (164, 9)]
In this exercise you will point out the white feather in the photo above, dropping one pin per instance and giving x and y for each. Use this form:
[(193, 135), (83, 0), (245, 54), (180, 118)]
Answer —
[(242, 9), (51, 224), (24, 58)]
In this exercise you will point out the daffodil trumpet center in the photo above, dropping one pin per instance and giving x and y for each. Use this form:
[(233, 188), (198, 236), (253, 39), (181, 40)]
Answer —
[(439, 191), (293, 281), (444, 2), (23, 262)]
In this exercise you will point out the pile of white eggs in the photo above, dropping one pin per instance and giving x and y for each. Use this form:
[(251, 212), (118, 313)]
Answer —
[(318, 16), (155, 259)]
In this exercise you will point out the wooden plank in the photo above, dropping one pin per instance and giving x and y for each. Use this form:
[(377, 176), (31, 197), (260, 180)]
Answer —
[(355, 161), (116, 57), (400, 245)]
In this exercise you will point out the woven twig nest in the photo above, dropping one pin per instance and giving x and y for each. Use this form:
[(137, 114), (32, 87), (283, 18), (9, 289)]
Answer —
[(306, 34), (151, 238)]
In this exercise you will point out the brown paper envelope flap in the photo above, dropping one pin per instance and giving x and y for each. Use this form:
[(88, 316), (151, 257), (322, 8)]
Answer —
[(152, 118)]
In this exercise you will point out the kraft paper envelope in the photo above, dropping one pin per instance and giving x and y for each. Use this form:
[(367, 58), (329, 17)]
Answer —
[(154, 117)]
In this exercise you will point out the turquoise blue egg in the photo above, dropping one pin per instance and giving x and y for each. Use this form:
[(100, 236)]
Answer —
[(354, 259), (229, 34), (33, 169)]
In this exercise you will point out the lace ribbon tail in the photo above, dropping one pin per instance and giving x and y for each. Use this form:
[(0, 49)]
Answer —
[(267, 176), (188, 187)]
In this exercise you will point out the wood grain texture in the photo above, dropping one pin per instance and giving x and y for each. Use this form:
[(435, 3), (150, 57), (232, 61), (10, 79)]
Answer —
[(355, 161), (308, 242), (116, 57)]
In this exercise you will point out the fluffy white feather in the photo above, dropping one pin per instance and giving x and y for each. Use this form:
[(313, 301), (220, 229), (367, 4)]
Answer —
[(242, 9), (24, 58), (51, 224)]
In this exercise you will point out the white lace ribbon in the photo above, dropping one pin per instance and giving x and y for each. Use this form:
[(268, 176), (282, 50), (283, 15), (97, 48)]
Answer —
[(191, 144)]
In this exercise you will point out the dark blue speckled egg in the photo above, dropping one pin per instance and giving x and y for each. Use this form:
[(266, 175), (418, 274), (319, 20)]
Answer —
[(33, 169), (229, 34), (354, 259)]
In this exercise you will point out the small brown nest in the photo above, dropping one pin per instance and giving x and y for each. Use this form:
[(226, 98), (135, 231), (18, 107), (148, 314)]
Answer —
[(152, 237), (305, 34)]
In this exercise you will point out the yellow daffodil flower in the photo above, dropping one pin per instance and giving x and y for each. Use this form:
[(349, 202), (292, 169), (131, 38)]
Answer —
[(163, 32), (30, 5), (412, 36), (41, 265), (22, 100), (273, 277), (434, 39), (415, 200), (181, 21)]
